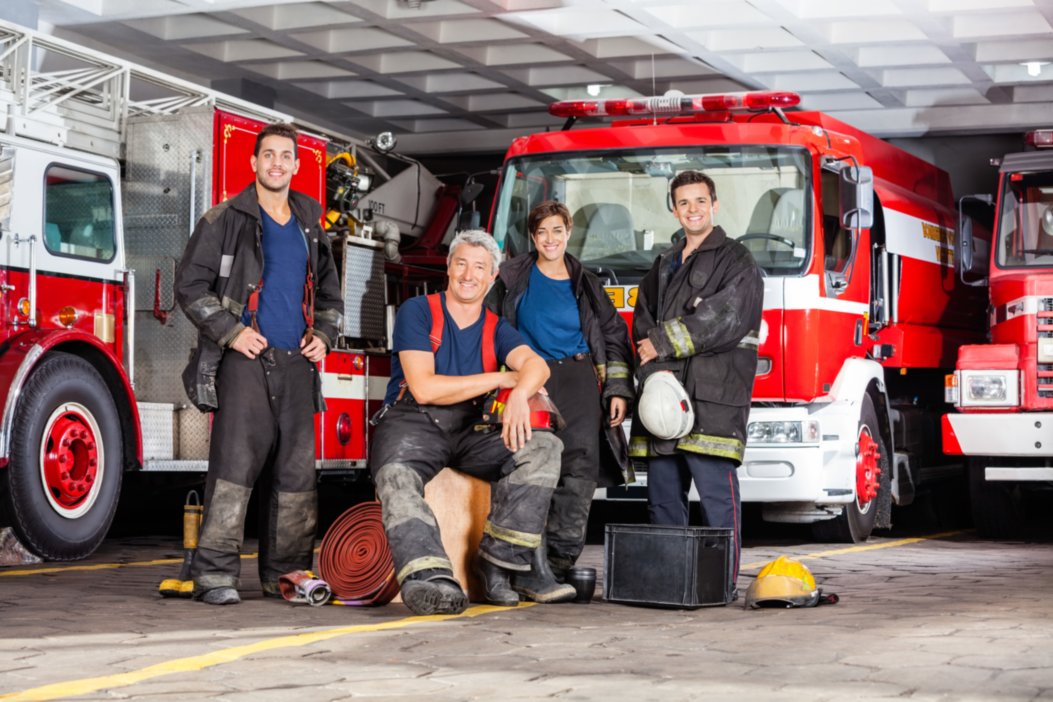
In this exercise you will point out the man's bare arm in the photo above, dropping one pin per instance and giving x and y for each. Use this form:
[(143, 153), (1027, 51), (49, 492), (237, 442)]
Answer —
[(430, 388)]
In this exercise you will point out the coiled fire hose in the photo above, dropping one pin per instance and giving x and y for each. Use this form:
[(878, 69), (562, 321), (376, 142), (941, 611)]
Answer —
[(355, 558)]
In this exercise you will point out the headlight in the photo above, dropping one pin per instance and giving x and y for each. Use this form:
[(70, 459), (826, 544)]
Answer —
[(990, 388), (806, 432)]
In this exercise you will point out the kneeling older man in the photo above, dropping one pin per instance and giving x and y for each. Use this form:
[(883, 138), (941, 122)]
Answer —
[(446, 352)]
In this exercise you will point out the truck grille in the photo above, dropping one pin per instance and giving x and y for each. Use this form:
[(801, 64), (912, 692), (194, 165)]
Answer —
[(1045, 331)]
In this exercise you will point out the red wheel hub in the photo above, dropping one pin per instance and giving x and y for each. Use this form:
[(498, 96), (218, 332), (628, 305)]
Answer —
[(70, 460), (867, 470)]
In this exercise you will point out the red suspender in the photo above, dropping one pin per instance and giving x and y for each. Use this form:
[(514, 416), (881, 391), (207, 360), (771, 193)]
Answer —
[(489, 332), (435, 336), (254, 305)]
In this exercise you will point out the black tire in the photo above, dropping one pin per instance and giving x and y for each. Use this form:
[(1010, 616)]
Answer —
[(997, 507), (61, 514), (856, 521)]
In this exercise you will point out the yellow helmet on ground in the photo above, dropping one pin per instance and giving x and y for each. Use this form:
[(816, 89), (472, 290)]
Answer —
[(783, 583)]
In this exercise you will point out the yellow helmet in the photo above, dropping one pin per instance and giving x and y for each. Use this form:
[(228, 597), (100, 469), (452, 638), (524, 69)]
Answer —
[(783, 583)]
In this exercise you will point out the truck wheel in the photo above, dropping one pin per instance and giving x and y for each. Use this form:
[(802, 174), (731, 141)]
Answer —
[(64, 476), (997, 507), (873, 483)]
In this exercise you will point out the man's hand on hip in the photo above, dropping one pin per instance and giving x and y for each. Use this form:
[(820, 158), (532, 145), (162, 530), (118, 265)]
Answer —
[(249, 342), (313, 350)]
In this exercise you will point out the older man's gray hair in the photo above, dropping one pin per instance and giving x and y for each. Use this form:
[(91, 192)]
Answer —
[(476, 237)]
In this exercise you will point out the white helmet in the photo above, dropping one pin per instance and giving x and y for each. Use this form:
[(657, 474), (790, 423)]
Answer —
[(664, 407)]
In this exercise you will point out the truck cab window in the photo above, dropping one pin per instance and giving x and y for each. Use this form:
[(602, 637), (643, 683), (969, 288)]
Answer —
[(78, 214), (619, 203), (1025, 226)]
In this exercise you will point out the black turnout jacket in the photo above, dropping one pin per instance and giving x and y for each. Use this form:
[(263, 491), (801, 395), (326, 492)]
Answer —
[(223, 265), (704, 321), (604, 330)]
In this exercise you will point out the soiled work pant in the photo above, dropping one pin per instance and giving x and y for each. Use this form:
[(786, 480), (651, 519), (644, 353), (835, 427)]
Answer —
[(574, 389), (265, 421), (413, 443)]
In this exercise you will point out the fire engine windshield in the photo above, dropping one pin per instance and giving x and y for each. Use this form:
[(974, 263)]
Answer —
[(1025, 224), (622, 217)]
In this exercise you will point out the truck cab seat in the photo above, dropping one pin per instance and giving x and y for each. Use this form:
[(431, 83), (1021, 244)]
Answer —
[(602, 229)]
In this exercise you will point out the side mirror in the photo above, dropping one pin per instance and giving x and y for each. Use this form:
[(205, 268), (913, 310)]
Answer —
[(971, 259), (470, 192), (966, 246), (857, 197)]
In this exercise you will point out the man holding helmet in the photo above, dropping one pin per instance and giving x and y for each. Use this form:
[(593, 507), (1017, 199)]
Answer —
[(697, 316)]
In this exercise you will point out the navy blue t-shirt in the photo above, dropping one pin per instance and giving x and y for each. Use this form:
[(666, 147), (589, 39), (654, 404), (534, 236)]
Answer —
[(280, 314), (461, 351), (548, 318)]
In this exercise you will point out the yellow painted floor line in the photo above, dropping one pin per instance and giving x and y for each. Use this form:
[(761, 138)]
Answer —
[(861, 548), (244, 556), (191, 664), (101, 566)]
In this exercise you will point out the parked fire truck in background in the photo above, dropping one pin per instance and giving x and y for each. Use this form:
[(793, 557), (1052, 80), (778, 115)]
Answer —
[(105, 168), (1003, 390), (863, 310)]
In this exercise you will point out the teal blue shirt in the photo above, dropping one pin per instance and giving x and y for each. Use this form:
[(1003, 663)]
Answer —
[(548, 317)]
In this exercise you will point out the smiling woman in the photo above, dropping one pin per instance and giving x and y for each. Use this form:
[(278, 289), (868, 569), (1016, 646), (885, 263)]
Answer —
[(564, 315)]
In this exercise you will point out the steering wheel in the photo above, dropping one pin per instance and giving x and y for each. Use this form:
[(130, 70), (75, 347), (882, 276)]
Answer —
[(769, 237)]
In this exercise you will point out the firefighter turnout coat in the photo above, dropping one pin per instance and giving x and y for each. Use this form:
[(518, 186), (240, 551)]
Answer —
[(605, 333), (223, 265), (704, 321)]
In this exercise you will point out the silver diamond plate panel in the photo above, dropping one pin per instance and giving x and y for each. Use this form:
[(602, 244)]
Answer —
[(193, 434), (157, 421), (175, 466), (364, 297), (161, 153)]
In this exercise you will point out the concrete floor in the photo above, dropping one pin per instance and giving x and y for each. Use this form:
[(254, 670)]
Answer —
[(945, 618)]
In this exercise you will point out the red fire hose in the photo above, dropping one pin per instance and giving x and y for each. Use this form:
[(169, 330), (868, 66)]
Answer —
[(355, 558)]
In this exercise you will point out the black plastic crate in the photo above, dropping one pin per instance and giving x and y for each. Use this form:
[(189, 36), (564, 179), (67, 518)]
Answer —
[(666, 566)]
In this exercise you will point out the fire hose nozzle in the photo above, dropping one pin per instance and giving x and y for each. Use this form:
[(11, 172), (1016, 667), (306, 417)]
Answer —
[(301, 586)]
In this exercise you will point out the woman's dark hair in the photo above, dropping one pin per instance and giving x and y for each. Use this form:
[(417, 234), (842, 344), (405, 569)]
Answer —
[(544, 210)]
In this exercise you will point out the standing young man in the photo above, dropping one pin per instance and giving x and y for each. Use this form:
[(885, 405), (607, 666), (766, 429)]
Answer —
[(258, 281), (698, 314)]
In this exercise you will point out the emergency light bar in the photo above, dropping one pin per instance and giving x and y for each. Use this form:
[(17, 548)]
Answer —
[(672, 105), (1040, 138)]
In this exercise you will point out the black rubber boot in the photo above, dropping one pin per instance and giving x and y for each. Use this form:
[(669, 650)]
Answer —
[(221, 596), (540, 585), (496, 587), (440, 595)]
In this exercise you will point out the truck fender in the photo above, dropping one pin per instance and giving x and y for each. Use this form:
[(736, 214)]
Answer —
[(21, 354), (839, 411)]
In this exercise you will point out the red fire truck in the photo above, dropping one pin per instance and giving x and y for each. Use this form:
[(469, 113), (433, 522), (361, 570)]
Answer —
[(863, 311), (1003, 390), (104, 170)]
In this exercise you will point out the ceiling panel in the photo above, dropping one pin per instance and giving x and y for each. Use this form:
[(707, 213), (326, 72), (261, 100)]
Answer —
[(431, 69)]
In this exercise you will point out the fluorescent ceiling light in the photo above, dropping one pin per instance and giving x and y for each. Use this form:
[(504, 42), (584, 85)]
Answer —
[(1034, 68)]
